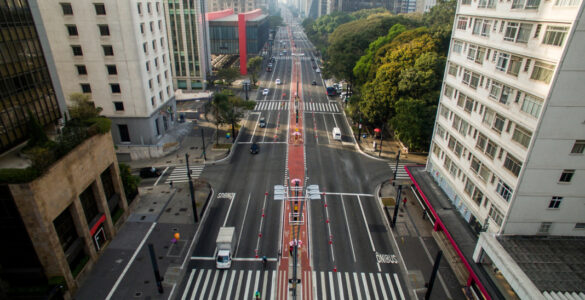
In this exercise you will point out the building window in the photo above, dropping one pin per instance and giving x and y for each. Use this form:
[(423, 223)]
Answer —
[(119, 105), (579, 225), (115, 88), (150, 84), (72, 30), (159, 25), (567, 175), (567, 2), (85, 88), (448, 91), (522, 136), (148, 7), (544, 228), (81, 69), (503, 59), (486, 4), (108, 50), (515, 64), (157, 7), (104, 30), (142, 28), (452, 69), (77, 50), (555, 202), (147, 66), (124, 133), (100, 9), (504, 190), (156, 126), (498, 124), (555, 35), (542, 71), (151, 27), (525, 4), (457, 46), (471, 79), (139, 7), (512, 164), (496, 215), (532, 105), (66, 8), (476, 54), (154, 45), (152, 101), (462, 23), (112, 70), (70, 241), (145, 48), (89, 204), (578, 147)]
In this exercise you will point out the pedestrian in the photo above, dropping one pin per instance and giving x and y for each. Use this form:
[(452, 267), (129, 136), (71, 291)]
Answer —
[(290, 250), (404, 201), (257, 295), (374, 145), (171, 184), (264, 261)]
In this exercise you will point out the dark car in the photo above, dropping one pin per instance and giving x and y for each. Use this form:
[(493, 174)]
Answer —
[(149, 172), (262, 122), (254, 149), (314, 82)]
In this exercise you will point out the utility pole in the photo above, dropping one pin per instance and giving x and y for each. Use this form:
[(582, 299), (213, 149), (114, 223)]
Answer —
[(433, 275), (157, 276), (381, 134), (397, 206), (397, 160), (192, 190), (203, 140)]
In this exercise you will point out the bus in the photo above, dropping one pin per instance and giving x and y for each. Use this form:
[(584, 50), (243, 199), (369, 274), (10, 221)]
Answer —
[(331, 91)]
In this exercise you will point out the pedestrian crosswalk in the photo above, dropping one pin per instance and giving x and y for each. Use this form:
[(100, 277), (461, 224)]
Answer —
[(356, 285), (230, 284), (402, 174), (179, 174), (307, 106)]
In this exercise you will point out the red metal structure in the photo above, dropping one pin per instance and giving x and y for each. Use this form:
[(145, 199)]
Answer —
[(242, 18)]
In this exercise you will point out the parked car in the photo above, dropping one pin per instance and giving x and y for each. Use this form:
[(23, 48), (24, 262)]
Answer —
[(278, 81), (265, 92), (254, 148), (149, 172)]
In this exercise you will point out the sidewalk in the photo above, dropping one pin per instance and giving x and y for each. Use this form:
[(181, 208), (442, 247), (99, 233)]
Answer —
[(416, 243), (124, 270)]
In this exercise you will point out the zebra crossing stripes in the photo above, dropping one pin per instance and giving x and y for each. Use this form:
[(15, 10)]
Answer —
[(229, 284), (357, 285), (401, 171), (307, 106), (179, 174)]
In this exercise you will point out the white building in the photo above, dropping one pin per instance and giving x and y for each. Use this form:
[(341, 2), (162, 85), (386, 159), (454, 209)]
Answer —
[(117, 52), (241, 6), (509, 136)]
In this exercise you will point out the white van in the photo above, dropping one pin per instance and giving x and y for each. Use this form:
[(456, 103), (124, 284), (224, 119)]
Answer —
[(336, 133)]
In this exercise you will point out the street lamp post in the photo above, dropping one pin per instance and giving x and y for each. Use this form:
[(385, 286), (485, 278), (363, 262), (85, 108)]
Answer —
[(192, 190)]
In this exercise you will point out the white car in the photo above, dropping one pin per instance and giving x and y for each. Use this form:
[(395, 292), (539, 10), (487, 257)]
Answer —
[(278, 81), (318, 70), (265, 92)]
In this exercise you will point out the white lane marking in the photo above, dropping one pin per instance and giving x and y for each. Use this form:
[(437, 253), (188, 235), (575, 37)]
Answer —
[(366, 223), (323, 288), (349, 294), (222, 284), (331, 287), (229, 209), (255, 127), (381, 281), (314, 277), (261, 222), (366, 288), (357, 286), (373, 281), (399, 287), (161, 176), (272, 291), (256, 280), (247, 287), (264, 281), (188, 284), (212, 289), (348, 230), (240, 278), (340, 286), (242, 226), (326, 130), (199, 277), (130, 262), (205, 284), (349, 194), (391, 286)]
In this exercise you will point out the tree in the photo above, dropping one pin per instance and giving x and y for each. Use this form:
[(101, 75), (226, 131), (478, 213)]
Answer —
[(254, 67), (228, 75), (129, 181), (274, 21), (218, 104), (83, 108)]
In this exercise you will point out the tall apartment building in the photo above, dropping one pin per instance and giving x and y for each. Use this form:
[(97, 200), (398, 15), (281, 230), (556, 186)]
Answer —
[(117, 52), (509, 138), (188, 43)]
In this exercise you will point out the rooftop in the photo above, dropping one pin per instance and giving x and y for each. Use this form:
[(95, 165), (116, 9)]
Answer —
[(552, 263), (234, 18)]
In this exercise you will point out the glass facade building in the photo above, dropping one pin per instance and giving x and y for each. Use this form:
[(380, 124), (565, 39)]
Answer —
[(25, 83)]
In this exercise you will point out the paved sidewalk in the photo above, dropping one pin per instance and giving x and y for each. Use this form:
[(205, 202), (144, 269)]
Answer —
[(417, 246)]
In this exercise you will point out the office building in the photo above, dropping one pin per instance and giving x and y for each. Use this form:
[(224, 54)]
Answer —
[(240, 6), (117, 52), (188, 43), (509, 137)]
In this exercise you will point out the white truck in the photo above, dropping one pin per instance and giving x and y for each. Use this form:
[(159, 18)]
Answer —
[(226, 244)]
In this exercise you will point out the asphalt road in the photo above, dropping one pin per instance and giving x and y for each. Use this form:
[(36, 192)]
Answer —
[(350, 248)]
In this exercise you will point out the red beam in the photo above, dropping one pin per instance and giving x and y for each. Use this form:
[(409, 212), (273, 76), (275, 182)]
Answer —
[(242, 18), (219, 14)]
